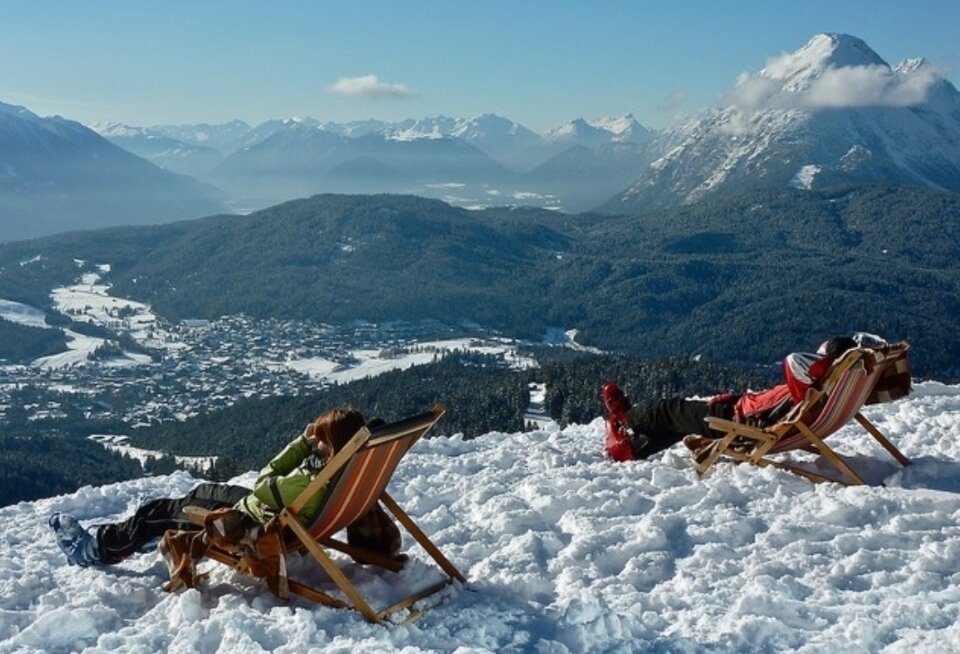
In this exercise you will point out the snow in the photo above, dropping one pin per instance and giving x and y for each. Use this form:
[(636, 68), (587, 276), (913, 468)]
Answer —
[(22, 314), (120, 443), (803, 180), (564, 551), (35, 259), (79, 347), (89, 301), (567, 338), (370, 363)]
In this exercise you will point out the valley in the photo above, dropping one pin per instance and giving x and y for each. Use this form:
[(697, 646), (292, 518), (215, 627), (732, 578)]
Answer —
[(184, 368)]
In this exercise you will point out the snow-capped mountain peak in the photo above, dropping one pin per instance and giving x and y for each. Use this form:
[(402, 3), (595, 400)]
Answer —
[(614, 124), (824, 51), (808, 111), (599, 131)]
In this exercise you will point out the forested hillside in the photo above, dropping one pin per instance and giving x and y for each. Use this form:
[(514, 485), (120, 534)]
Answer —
[(742, 279), (480, 396), (20, 342), (41, 464)]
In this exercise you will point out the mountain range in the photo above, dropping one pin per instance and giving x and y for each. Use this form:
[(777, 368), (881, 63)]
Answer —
[(57, 175), (479, 161), (831, 113)]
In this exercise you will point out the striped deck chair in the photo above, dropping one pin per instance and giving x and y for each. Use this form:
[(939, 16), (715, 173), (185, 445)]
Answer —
[(356, 478), (861, 376)]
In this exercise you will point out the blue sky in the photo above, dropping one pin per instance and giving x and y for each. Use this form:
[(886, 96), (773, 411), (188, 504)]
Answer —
[(539, 63)]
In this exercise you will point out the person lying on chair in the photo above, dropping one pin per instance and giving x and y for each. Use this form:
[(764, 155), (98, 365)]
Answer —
[(277, 485), (636, 432)]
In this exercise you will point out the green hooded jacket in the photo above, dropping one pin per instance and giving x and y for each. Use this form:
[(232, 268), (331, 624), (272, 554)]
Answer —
[(281, 481)]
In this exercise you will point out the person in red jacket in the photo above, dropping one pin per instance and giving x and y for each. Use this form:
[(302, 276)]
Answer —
[(636, 432)]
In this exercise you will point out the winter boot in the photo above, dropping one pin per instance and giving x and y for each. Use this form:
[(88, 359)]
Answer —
[(77, 543), (615, 401)]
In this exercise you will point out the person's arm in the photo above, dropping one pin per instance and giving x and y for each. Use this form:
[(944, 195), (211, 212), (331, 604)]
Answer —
[(803, 370), (288, 459), (266, 488)]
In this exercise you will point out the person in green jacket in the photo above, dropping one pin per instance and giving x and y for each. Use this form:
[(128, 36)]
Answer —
[(278, 484)]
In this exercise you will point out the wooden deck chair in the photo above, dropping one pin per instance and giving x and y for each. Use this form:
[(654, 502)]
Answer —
[(355, 478), (861, 376)]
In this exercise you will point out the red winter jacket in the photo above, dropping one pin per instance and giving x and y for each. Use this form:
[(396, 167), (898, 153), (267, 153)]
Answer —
[(801, 371)]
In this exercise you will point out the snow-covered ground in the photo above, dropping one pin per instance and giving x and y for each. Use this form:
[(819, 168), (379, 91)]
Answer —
[(564, 551), (370, 363), (536, 411), (90, 301), (120, 443), (22, 314)]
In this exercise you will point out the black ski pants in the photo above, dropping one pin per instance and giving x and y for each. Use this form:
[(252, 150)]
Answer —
[(119, 540), (665, 422)]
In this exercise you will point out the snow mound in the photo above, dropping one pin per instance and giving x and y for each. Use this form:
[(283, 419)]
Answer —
[(564, 552)]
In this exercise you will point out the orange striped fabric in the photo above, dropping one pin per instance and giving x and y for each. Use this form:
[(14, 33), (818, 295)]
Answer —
[(843, 402), (359, 486)]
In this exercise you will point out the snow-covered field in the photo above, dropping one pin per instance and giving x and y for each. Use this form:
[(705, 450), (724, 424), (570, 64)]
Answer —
[(22, 314), (564, 551), (370, 363)]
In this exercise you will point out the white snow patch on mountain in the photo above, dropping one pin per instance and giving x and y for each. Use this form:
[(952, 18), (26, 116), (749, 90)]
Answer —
[(564, 551), (804, 177)]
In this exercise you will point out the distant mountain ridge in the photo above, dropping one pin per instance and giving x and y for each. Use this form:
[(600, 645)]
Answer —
[(57, 175), (832, 112), (476, 162)]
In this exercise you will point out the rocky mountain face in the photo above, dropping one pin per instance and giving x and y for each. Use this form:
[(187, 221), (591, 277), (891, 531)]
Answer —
[(56, 175), (832, 112)]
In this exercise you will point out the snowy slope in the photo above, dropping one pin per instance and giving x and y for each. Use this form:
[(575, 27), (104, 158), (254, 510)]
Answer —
[(834, 107), (564, 552)]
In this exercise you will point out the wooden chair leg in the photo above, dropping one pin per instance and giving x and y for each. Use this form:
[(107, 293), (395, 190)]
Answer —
[(421, 537), (716, 449), (331, 569), (830, 455), (877, 434)]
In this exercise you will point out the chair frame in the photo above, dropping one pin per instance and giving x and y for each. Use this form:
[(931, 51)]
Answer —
[(744, 443), (287, 518)]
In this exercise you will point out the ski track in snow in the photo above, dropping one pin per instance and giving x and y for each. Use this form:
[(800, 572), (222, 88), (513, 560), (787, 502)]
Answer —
[(564, 551)]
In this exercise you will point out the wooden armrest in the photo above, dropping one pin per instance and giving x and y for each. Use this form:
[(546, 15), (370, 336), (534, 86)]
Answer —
[(738, 428), (196, 514), (721, 424)]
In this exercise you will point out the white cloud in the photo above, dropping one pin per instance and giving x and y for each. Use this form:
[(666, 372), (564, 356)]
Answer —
[(673, 101), (368, 86), (752, 92), (868, 86), (787, 87), (836, 88)]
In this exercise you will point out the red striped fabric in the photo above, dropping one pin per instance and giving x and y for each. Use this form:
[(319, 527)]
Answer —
[(359, 487), (842, 403)]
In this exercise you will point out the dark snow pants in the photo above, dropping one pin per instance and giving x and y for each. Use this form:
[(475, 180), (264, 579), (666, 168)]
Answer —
[(119, 540), (665, 422)]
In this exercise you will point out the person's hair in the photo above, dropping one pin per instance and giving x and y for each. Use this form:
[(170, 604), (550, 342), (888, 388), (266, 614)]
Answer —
[(837, 346), (335, 428)]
